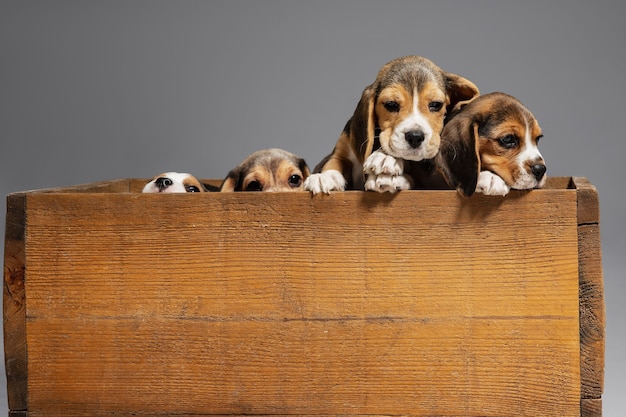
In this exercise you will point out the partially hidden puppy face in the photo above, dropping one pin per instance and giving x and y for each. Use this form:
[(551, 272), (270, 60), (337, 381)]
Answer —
[(174, 182), (412, 97), (495, 133), (268, 170)]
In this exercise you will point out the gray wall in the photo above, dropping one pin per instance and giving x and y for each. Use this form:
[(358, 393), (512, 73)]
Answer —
[(92, 91)]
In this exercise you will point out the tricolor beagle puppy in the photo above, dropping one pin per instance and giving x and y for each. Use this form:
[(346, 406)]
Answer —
[(175, 182), (268, 170), (398, 118), (490, 146)]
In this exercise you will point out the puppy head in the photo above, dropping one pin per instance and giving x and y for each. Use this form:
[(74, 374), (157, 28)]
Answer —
[(268, 170), (407, 104), (496, 133), (174, 182)]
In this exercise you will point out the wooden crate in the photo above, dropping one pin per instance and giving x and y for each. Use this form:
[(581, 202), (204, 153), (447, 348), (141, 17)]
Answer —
[(356, 303)]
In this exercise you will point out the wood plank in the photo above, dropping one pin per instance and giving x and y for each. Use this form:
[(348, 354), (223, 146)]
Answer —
[(559, 183), (591, 407), (591, 299), (588, 202), (14, 305), (419, 303), (413, 366), (242, 245), (592, 311)]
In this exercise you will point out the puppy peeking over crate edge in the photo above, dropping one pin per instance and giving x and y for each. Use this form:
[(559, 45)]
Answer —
[(392, 141), (415, 127), (268, 170)]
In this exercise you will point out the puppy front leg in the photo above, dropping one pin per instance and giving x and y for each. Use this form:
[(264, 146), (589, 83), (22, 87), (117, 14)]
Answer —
[(338, 171), (385, 173)]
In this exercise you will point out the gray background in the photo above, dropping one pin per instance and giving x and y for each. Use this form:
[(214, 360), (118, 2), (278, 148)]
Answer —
[(94, 91)]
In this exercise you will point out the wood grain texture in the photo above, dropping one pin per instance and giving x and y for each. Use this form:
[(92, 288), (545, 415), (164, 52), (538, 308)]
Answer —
[(591, 407), (591, 295), (355, 303), (588, 205), (592, 312), (14, 303), (420, 303)]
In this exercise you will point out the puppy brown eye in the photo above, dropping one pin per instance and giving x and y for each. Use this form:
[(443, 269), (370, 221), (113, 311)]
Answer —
[(508, 141), (295, 180), (192, 189), (435, 106), (391, 106), (254, 186)]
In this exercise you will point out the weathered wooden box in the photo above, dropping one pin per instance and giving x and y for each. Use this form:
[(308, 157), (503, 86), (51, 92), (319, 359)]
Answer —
[(423, 303)]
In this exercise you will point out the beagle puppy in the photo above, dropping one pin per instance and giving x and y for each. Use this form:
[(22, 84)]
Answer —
[(268, 170), (490, 146), (175, 182), (398, 118)]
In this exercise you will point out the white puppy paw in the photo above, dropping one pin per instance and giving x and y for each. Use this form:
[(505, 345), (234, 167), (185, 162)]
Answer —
[(381, 163), (384, 173), (387, 183), (325, 182), (491, 184)]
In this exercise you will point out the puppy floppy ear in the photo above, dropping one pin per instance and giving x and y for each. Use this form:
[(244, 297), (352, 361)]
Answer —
[(233, 181), (304, 168), (362, 125), (460, 90), (210, 187), (458, 158)]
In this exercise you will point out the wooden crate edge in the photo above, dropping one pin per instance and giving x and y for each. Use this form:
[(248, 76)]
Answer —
[(14, 308), (588, 206), (591, 298)]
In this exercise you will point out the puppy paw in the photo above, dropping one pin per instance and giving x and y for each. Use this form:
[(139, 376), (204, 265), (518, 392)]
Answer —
[(380, 163), (385, 183), (491, 184), (325, 182)]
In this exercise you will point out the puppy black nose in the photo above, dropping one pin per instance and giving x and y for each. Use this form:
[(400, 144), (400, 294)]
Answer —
[(414, 138), (163, 183), (538, 170)]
